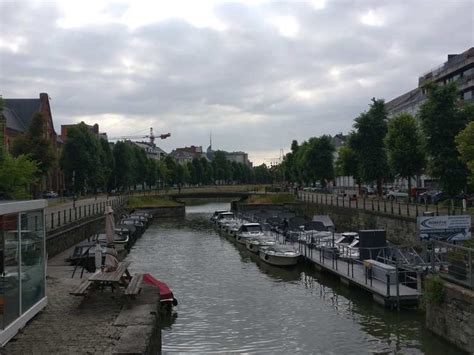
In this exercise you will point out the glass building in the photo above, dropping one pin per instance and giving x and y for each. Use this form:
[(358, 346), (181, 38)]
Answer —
[(22, 264)]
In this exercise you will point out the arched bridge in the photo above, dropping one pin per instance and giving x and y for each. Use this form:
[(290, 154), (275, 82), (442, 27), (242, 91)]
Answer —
[(242, 195)]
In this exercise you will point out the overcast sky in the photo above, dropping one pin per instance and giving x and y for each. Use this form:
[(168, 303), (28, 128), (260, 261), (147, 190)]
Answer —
[(256, 73)]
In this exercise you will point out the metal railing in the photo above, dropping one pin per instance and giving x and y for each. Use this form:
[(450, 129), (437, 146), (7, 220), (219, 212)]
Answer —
[(392, 207), (60, 217), (455, 263)]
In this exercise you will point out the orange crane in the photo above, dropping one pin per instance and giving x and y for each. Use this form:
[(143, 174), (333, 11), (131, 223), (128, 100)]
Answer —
[(151, 136)]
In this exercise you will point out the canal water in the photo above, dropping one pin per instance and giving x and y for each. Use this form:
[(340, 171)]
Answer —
[(230, 301)]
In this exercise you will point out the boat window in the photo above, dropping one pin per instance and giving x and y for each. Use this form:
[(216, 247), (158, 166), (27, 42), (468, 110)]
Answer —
[(253, 229)]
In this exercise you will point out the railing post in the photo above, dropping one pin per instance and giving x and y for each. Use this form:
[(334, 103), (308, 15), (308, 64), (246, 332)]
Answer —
[(399, 209), (391, 206), (363, 199), (416, 210), (372, 205), (388, 284), (59, 218), (70, 215), (326, 199), (64, 216), (408, 209), (357, 202), (52, 220), (378, 204)]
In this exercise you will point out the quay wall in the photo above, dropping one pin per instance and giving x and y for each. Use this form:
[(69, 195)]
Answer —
[(400, 229), (453, 318)]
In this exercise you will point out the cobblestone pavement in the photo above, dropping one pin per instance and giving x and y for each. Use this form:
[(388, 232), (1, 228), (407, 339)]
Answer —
[(69, 324)]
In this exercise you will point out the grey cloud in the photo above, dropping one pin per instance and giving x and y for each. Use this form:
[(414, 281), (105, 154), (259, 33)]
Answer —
[(190, 80)]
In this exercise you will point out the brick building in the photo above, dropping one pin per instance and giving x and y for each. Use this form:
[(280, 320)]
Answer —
[(18, 114)]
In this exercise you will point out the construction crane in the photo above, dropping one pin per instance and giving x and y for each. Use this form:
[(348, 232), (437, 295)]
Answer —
[(150, 136)]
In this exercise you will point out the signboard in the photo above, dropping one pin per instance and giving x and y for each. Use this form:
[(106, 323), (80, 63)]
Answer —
[(446, 228)]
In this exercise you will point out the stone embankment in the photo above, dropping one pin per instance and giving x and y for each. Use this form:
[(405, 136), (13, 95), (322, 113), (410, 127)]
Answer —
[(453, 318)]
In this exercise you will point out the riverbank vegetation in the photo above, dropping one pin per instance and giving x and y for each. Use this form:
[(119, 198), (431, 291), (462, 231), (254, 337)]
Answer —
[(271, 199), (150, 202)]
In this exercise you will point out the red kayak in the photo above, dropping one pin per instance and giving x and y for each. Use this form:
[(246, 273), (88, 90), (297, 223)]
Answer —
[(166, 295)]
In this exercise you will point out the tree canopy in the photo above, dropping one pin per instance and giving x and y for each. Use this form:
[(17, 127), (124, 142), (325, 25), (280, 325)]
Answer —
[(442, 117), (465, 146), (36, 144), (406, 156)]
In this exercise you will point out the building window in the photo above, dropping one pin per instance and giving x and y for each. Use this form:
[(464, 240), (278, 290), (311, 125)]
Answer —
[(468, 95)]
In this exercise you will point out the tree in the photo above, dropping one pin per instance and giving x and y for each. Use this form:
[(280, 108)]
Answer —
[(108, 165), (198, 170), (16, 174), (465, 145), (442, 117), (36, 144), (405, 152), (80, 159), (152, 172), (221, 166), (347, 163), (368, 143), (318, 159), (123, 158)]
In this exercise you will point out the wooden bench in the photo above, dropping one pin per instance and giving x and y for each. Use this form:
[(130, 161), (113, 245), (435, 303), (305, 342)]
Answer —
[(134, 285), (81, 289)]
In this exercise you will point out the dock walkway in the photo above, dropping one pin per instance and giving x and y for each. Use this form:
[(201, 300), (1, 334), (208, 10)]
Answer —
[(353, 272)]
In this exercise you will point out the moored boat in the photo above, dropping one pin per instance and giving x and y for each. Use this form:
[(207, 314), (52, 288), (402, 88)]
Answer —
[(280, 255), (248, 230), (255, 243)]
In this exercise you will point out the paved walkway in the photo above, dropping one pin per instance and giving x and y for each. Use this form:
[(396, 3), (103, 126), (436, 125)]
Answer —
[(68, 324)]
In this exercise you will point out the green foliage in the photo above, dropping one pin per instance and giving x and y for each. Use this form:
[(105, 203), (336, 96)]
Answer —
[(83, 160), (36, 144), (442, 118), (434, 290), (465, 146), (16, 173), (272, 199), (123, 172), (317, 160), (368, 142), (406, 156), (149, 202), (347, 163)]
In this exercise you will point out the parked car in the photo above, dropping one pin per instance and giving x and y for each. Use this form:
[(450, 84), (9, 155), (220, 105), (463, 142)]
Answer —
[(431, 196), (368, 190), (50, 194), (417, 191), (396, 194)]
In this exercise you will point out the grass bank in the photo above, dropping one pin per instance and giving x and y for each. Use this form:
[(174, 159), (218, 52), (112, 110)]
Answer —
[(150, 202), (272, 199)]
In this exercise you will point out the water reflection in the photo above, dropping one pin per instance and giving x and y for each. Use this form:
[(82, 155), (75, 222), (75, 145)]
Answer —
[(231, 301)]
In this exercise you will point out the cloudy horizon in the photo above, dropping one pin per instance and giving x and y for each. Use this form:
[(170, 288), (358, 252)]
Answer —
[(257, 74)]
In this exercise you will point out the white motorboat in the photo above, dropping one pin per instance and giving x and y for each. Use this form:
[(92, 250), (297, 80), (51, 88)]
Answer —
[(248, 230), (255, 243), (280, 255), (223, 218), (217, 213)]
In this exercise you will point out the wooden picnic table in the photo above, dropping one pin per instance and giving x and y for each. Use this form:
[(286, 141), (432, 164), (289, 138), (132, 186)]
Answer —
[(119, 278)]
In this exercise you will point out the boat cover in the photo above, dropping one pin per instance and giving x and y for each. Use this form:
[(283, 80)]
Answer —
[(165, 292)]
